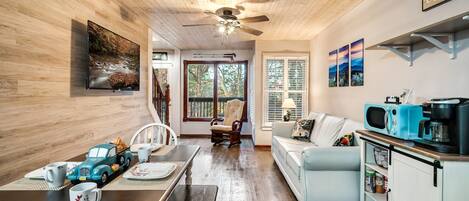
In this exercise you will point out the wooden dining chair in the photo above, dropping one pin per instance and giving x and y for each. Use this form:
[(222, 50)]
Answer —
[(154, 133), (232, 124)]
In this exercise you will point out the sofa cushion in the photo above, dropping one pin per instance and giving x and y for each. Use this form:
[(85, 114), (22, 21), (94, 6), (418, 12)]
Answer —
[(318, 118), (349, 127), (328, 131), (282, 146), (294, 162)]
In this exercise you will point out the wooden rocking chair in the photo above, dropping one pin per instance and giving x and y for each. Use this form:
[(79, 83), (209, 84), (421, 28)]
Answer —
[(232, 124)]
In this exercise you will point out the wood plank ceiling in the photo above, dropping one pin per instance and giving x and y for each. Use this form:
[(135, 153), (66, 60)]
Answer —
[(289, 20)]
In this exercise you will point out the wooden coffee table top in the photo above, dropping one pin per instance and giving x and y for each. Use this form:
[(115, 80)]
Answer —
[(409, 145), (184, 153)]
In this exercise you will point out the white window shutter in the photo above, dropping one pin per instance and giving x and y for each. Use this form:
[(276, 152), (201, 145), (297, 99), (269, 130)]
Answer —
[(284, 77)]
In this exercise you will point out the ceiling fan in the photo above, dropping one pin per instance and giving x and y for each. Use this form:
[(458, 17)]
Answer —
[(228, 21)]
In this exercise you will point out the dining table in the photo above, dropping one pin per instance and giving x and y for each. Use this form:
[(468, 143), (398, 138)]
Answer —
[(183, 155)]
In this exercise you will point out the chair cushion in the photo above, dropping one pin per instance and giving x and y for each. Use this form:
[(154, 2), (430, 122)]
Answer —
[(318, 118), (233, 111), (294, 162), (328, 131), (221, 128), (284, 145)]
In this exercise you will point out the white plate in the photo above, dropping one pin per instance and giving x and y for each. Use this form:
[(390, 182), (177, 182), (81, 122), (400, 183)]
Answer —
[(150, 171), (154, 147), (38, 173)]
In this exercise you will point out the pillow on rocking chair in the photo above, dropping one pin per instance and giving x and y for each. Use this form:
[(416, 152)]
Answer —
[(221, 128)]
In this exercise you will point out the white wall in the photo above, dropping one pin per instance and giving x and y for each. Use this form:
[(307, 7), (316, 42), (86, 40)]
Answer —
[(260, 136), (174, 75), (188, 127), (432, 75)]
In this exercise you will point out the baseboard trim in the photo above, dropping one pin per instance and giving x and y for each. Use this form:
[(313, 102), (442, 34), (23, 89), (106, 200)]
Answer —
[(247, 136), (263, 146)]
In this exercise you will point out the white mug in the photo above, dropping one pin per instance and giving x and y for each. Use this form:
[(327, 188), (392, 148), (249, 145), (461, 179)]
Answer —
[(55, 173), (87, 191), (144, 153)]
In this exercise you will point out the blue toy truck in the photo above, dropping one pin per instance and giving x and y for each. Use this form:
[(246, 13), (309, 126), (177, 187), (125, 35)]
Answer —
[(102, 161)]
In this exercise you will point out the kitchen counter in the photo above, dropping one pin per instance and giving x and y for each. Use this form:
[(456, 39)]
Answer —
[(410, 146)]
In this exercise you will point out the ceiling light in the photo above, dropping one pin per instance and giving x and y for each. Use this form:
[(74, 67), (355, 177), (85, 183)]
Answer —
[(221, 29), (230, 29)]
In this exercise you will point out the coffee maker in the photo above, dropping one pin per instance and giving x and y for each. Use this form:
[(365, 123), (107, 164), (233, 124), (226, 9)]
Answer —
[(446, 126)]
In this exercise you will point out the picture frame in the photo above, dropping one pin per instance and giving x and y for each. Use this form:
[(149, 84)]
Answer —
[(344, 66), (430, 4), (357, 70), (332, 68), (160, 56)]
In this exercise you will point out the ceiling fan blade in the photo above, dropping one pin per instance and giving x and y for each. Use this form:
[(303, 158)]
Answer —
[(260, 18), (197, 25), (214, 14), (250, 30)]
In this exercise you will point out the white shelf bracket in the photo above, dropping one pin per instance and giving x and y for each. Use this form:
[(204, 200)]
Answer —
[(403, 51), (449, 48)]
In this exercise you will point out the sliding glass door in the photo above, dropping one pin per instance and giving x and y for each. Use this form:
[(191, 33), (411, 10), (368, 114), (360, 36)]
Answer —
[(208, 85)]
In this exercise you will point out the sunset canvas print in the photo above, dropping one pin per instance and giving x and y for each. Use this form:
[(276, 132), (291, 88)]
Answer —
[(356, 58), (343, 60), (333, 68)]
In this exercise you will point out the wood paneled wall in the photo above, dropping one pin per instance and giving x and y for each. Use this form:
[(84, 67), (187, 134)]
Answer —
[(46, 114)]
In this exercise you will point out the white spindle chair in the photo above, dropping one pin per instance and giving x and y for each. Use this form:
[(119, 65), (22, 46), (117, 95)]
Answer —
[(154, 133)]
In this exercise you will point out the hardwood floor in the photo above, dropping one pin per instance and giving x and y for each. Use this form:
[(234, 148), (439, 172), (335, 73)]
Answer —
[(242, 173)]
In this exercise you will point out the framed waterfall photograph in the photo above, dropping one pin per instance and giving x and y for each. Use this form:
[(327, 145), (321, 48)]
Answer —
[(343, 62), (332, 68), (356, 63)]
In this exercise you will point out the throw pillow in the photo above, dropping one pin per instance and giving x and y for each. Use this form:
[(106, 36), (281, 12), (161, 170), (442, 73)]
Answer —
[(303, 129), (344, 141)]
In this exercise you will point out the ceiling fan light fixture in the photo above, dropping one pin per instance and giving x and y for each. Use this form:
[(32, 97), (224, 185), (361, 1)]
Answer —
[(221, 29)]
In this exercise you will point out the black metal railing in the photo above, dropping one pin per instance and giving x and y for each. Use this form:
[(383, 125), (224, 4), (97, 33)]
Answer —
[(202, 107)]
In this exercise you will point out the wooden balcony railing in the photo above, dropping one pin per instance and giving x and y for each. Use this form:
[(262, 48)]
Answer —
[(202, 107), (161, 101)]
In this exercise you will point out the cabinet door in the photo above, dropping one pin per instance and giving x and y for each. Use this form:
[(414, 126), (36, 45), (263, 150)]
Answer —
[(412, 180)]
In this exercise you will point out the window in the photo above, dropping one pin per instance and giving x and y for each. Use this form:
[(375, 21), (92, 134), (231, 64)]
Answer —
[(112, 152), (97, 153), (285, 76), (208, 85)]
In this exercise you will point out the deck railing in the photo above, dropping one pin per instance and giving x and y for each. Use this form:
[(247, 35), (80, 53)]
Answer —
[(202, 107)]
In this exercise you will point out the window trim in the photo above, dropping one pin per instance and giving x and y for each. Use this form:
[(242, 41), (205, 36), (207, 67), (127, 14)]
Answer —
[(215, 89), (285, 56)]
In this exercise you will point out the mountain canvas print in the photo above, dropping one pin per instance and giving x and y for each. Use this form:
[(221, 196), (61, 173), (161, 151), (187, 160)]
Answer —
[(356, 58), (343, 60), (333, 68)]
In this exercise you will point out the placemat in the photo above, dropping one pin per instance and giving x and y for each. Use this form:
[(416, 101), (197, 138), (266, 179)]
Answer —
[(31, 185), (163, 150), (121, 183)]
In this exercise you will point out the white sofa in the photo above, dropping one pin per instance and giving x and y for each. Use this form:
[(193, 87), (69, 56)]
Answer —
[(317, 171)]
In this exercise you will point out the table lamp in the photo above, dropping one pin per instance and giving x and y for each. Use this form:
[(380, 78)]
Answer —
[(287, 105)]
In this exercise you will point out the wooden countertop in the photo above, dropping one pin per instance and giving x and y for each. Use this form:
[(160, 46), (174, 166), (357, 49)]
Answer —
[(410, 146)]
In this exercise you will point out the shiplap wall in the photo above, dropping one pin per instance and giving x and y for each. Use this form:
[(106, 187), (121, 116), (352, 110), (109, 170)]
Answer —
[(45, 113)]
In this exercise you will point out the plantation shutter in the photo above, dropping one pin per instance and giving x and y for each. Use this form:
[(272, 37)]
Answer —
[(284, 77), (274, 89)]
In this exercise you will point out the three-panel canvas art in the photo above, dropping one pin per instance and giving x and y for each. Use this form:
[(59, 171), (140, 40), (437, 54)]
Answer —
[(346, 65)]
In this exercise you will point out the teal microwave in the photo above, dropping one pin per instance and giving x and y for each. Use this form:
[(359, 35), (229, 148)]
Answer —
[(395, 120)]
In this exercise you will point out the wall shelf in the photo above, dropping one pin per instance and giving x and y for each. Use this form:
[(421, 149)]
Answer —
[(440, 34)]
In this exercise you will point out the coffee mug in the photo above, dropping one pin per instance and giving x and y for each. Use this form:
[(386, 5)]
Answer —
[(144, 153), (87, 191), (55, 173)]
